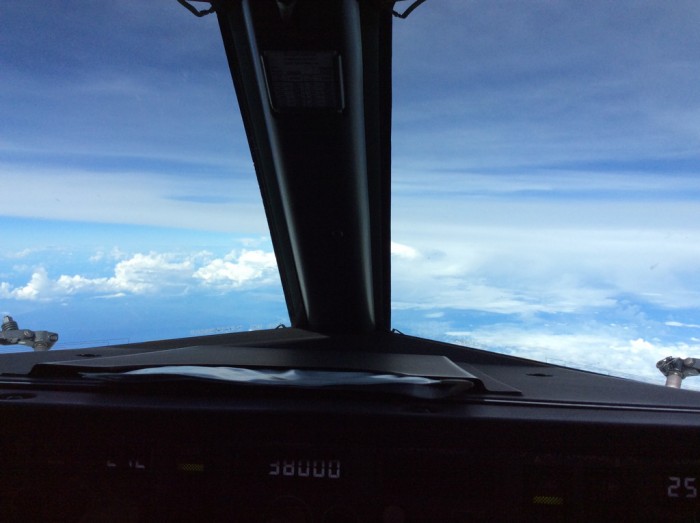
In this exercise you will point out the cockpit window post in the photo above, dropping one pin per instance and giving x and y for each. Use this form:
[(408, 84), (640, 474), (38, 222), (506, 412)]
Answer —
[(314, 87)]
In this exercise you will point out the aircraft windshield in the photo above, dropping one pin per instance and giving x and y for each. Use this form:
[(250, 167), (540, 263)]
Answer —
[(546, 180), (546, 186), (130, 206)]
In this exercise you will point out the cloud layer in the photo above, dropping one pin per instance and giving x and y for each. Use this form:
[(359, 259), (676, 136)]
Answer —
[(153, 273)]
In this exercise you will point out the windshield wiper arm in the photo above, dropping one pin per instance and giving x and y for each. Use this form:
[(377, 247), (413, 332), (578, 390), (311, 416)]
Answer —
[(11, 334)]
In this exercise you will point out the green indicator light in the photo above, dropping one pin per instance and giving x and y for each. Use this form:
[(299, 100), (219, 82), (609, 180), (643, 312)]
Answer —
[(547, 500), (190, 467)]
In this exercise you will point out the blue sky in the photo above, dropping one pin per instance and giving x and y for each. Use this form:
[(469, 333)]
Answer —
[(545, 170)]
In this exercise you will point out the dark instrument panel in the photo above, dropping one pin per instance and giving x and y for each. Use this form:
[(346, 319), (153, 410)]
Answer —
[(80, 456)]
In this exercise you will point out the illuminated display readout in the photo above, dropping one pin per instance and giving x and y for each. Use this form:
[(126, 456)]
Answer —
[(305, 468), (681, 487)]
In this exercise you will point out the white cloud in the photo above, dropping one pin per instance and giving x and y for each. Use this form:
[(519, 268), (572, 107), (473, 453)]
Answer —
[(432, 180), (578, 287), (478, 259), (609, 351), (151, 273), (680, 324), (237, 270), (491, 281), (19, 254), (140, 274), (404, 251), (115, 253), (38, 285), (153, 199)]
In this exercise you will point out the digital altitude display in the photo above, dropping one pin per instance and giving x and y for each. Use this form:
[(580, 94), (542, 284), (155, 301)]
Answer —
[(305, 468)]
